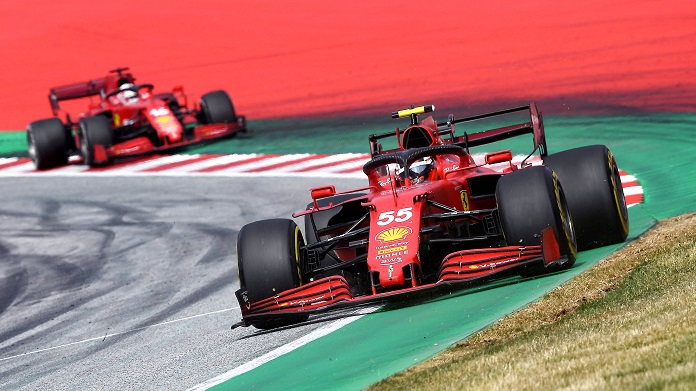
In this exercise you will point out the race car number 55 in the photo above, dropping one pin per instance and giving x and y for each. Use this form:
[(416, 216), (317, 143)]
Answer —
[(386, 218)]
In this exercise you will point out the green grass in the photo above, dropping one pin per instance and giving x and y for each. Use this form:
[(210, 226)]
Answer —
[(629, 323)]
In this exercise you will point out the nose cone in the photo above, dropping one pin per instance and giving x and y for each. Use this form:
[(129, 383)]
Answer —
[(174, 137), (390, 276)]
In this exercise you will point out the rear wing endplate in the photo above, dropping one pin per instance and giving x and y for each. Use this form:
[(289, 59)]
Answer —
[(535, 126)]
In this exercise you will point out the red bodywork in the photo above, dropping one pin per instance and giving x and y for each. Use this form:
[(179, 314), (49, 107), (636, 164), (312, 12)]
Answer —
[(410, 234), (145, 126)]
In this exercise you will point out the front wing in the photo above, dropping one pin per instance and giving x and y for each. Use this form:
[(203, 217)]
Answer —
[(457, 270), (143, 145)]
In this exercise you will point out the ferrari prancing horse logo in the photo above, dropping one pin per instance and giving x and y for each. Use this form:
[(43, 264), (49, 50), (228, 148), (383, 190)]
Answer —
[(465, 199)]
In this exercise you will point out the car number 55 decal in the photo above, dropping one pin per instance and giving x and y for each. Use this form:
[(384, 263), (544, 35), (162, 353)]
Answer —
[(386, 218)]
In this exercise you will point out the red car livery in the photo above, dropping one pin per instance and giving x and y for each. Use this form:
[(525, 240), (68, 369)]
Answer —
[(431, 219), (125, 119)]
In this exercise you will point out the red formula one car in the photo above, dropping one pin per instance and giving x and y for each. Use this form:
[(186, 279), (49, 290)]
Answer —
[(126, 119), (431, 219)]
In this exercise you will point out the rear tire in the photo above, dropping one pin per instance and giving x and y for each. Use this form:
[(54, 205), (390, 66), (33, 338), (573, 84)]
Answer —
[(591, 180), (529, 201), (94, 131), (47, 143), (268, 262), (217, 107)]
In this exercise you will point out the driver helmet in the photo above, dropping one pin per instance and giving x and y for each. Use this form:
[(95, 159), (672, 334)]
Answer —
[(127, 95), (420, 170)]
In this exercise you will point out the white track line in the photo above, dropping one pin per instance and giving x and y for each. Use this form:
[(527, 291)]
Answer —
[(331, 159), (71, 169), (628, 178), (263, 163), (159, 162), (217, 161), (103, 337), (18, 169), (632, 190), (287, 348), (355, 166), (5, 160)]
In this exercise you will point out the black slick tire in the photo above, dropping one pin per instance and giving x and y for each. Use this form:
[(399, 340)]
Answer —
[(217, 107), (268, 262), (592, 184), (47, 143), (94, 131), (529, 201)]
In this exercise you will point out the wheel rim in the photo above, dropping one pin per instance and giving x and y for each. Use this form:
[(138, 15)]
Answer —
[(568, 223), (32, 148), (84, 146), (566, 218), (623, 209)]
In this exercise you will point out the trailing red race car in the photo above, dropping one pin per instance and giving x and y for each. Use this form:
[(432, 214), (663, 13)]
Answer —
[(432, 219), (126, 119)]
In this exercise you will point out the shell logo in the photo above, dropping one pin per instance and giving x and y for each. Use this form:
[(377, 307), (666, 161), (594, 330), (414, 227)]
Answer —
[(392, 234), (163, 120)]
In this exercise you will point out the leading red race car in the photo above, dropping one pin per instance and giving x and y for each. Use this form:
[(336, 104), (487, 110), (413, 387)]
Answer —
[(431, 219), (127, 119)]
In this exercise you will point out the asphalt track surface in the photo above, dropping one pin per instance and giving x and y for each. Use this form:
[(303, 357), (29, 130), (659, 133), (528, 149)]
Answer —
[(120, 283)]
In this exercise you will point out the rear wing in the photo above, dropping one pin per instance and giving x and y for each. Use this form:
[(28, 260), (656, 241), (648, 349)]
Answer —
[(534, 126), (88, 88), (75, 91)]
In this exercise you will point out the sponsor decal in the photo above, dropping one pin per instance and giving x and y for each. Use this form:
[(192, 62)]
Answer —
[(303, 302), (391, 245), (390, 255), (214, 132), (160, 112), (391, 250), (245, 299), (128, 150), (166, 122), (493, 265), (390, 261), (393, 234)]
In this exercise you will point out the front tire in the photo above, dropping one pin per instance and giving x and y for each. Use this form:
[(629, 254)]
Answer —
[(47, 143), (217, 107), (592, 183), (268, 259), (529, 201), (94, 131)]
